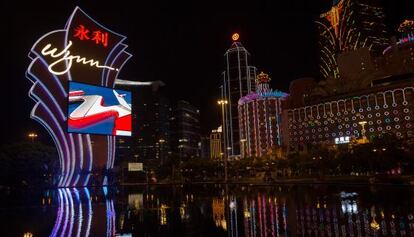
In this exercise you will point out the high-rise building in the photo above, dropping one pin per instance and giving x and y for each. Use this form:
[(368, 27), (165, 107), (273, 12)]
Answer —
[(259, 119), (347, 26), (216, 148), (205, 147), (150, 121), (185, 130), (238, 81)]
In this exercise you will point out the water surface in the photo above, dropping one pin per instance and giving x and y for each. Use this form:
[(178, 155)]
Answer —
[(210, 210)]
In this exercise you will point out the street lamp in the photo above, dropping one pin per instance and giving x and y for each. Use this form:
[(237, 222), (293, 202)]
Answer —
[(161, 150), (32, 136), (223, 103)]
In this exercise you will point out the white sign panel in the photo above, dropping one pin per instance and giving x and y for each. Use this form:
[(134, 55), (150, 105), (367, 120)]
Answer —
[(342, 140), (135, 167)]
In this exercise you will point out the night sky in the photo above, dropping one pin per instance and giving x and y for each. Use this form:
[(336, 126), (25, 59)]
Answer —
[(180, 43)]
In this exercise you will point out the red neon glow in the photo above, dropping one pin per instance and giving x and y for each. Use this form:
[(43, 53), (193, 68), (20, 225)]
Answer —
[(99, 37), (81, 32)]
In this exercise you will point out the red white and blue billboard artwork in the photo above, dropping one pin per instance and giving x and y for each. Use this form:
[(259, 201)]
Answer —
[(98, 110)]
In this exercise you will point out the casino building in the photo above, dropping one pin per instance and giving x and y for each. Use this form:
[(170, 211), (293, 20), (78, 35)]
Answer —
[(386, 107), (259, 119), (374, 94)]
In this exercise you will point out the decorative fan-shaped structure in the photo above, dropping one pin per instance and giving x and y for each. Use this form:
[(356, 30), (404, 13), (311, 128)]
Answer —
[(61, 56)]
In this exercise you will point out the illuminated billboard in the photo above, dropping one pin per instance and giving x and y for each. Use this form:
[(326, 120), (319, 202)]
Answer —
[(82, 51), (98, 110)]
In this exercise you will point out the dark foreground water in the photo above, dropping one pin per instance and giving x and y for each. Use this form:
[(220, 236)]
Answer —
[(210, 210)]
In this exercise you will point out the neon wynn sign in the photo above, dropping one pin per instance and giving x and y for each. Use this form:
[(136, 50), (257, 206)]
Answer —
[(65, 56)]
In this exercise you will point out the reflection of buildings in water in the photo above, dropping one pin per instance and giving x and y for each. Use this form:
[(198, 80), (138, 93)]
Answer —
[(163, 214), (233, 216), (351, 220), (348, 202), (135, 201), (218, 213), (75, 215), (184, 214), (135, 207), (264, 215)]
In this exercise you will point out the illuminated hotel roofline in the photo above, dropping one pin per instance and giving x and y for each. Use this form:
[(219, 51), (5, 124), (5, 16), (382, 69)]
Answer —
[(237, 46), (392, 85), (261, 95)]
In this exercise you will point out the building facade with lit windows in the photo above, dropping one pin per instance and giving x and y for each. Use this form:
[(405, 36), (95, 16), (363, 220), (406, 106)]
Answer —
[(347, 26), (150, 121), (216, 144), (185, 130), (237, 81), (259, 119), (386, 107)]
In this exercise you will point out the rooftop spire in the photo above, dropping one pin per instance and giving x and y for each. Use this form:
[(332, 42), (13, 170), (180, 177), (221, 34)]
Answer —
[(262, 82)]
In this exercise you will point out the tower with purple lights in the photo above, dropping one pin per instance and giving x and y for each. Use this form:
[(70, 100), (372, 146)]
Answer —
[(259, 119)]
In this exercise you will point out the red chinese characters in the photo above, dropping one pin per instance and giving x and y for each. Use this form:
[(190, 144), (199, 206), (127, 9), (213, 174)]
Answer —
[(99, 37), (81, 32)]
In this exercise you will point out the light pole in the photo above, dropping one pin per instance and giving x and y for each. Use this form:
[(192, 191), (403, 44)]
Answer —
[(223, 103), (32, 136), (243, 147), (161, 150)]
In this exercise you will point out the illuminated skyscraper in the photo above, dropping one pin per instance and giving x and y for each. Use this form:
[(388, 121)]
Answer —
[(150, 118), (238, 81), (347, 26)]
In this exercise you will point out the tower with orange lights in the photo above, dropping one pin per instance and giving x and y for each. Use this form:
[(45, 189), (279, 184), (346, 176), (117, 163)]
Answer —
[(237, 81)]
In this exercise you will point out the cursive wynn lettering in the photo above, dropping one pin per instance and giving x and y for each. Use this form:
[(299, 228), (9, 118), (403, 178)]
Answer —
[(65, 56)]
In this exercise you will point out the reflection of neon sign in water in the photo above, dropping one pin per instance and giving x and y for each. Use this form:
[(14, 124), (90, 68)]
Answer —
[(66, 59), (348, 203), (73, 219), (264, 214)]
